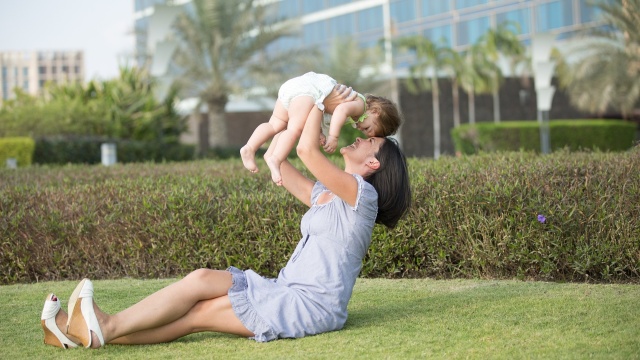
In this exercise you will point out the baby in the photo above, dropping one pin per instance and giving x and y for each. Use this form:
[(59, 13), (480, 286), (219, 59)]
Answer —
[(297, 97)]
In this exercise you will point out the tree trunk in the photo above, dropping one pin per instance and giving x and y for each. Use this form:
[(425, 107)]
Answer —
[(435, 98), (217, 126), (203, 132), (456, 103), (496, 105), (472, 106)]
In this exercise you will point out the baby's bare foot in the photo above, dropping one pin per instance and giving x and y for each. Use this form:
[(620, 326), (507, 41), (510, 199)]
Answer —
[(274, 166), (248, 158)]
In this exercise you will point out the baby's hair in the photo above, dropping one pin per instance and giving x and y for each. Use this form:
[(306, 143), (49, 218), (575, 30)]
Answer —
[(388, 115)]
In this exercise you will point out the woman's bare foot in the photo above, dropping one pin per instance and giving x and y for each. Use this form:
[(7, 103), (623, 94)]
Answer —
[(274, 166), (248, 156)]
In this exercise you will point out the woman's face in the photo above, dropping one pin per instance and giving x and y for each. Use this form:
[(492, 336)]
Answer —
[(362, 150)]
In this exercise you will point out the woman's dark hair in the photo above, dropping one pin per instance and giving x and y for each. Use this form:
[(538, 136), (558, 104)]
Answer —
[(391, 181)]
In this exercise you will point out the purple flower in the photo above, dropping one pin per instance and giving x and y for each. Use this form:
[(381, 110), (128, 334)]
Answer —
[(541, 218)]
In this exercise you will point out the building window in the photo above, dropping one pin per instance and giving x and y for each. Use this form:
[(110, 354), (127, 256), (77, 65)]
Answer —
[(333, 3), (403, 10), (588, 12), (341, 25), (461, 4), (430, 7), (314, 32), (440, 35), (53, 69), (65, 69), (76, 69), (42, 70), (554, 15), (469, 31), (289, 9), (25, 85), (25, 72), (309, 7), (369, 19), (520, 17)]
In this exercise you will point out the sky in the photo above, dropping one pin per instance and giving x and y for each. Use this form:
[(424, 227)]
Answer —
[(103, 29)]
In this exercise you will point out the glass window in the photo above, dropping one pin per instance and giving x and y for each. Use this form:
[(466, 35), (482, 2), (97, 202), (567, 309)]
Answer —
[(431, 7), (369, 19), (4, 72), (53, 69), (25, 72), (341, 25), (520, 17), (588, 12), (441, 35), (309, 7), (289, 9), (403, 10), (42, 69), (332, 3), (25, 85), (76, 69), (554, 15), (314, 32), (461, 4), (469, 31)]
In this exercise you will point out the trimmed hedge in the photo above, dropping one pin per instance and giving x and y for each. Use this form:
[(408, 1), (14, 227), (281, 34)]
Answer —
[(87, 151), (605, 135), (19, 148), (473, 217)]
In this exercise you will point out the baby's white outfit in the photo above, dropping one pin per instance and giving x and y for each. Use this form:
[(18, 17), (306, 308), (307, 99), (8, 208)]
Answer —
[(318, 86)]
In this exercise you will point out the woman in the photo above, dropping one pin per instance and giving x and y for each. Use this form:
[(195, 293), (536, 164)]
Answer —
[(311, 293)]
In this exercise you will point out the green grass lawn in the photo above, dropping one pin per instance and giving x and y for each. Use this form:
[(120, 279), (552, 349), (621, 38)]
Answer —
[(388, 319)]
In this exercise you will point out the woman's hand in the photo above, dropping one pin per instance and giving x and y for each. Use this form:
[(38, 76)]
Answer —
[(340, 94)]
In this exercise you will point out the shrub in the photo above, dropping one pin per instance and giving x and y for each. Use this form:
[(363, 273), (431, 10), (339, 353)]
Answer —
[(19, 148), (473, 217), (605, 135), (86, 150)]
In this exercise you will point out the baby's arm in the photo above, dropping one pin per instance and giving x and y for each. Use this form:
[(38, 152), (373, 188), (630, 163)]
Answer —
[(353, 108)]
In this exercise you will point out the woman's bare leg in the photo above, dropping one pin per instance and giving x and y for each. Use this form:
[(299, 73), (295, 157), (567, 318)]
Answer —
[(261, 134), (299, 110), (207, 315), (167, 305)]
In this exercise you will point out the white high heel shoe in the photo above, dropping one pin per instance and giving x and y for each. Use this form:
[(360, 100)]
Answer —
[(52, 334), (82, 318)]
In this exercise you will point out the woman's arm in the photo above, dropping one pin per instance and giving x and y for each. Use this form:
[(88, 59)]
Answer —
[(335, 179), (292, 179)]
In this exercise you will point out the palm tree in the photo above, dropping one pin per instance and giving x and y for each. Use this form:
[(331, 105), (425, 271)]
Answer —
[(502, 41), (607, 72), (478, 76), (455, 67), (429, 59), (222, 51)]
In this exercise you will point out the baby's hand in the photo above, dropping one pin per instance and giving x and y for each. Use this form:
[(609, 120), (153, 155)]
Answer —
[(331, 144), (323, 139)]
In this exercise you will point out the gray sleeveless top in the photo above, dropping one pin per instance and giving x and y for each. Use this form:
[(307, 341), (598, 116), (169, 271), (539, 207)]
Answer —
[(311, 293)]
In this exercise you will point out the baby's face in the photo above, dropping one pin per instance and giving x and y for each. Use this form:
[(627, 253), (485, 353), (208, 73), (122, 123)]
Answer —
[(368, 126)]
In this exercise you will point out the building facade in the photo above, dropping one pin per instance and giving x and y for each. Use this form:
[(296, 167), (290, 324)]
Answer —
[(452, 23), (29, 71)]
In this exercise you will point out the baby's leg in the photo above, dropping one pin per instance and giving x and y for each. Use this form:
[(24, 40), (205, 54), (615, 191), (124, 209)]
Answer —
[(299, 110), (261, 134)]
